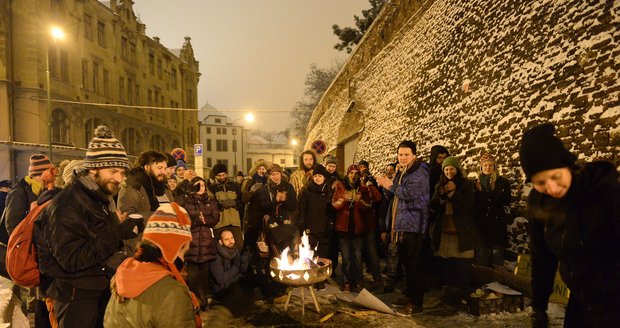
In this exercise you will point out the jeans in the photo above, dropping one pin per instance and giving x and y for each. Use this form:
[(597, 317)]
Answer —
[(372, 260), (412, 254), (351, 248)]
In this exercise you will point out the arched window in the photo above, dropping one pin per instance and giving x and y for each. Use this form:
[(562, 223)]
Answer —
[(129, 140), (157, 143), (89, 129), (60, 126)]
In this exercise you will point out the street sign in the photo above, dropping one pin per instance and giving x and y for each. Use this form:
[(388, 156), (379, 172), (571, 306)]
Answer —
[(198, 150), (319, 147)]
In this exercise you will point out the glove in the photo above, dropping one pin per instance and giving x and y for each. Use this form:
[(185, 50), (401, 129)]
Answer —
[(539, 318), (228, 203), (256, 187), (130, 228)]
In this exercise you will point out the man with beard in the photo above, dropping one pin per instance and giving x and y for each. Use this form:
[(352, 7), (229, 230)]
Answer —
[(145, 189), (299, 179), (79, 235), (228, 196)]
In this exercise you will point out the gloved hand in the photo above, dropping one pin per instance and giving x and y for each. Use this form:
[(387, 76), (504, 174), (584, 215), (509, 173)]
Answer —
[(539, 318), (256, 187), (130, 228), (228, 203)]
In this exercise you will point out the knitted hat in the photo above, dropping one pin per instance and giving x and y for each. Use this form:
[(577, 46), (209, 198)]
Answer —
[(353, 167), (171, 162), (274, 168), (363, 163), (105, 151), (5, 184), (331, 160), (540, 150), (180, 163), (451, 161), (178, 154), (169, 228), (73, 166), (487, 158), (38, 164), (320, 169), (219, 168)]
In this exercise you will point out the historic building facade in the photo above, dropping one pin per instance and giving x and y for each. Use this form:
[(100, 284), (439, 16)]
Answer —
[(105, 58)]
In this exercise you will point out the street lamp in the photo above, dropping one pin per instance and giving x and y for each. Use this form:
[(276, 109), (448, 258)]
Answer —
[(248, 118), (57, 34)]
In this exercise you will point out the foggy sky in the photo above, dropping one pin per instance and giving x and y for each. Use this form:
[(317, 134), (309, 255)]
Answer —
[(254, 55)]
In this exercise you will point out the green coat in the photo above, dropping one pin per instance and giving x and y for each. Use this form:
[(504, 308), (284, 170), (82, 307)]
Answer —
[(165, 304)]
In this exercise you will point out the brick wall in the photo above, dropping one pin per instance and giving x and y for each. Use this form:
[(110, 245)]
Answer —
[(473, 75)]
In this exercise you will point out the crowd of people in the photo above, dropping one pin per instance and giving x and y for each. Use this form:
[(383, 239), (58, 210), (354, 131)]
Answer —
[(129, 245)]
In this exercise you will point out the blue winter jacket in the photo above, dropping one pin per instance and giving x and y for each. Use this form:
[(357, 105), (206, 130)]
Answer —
[(413, 200)]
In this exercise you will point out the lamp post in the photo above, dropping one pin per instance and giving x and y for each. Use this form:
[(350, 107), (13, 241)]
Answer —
[(248, 118), (56, 34)]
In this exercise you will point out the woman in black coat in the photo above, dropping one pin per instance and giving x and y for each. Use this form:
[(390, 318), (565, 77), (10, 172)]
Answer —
[(574, 219), (453, 233)]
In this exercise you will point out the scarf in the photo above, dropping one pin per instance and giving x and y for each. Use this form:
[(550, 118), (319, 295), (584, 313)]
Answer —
[(35, 186), (226, 252), (257, 178)]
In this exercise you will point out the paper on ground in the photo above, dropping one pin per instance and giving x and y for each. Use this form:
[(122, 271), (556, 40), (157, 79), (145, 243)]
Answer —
[(367, 299)]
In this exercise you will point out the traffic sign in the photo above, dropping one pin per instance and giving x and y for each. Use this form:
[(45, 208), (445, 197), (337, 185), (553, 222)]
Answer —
[(198, 150), (319, 147)]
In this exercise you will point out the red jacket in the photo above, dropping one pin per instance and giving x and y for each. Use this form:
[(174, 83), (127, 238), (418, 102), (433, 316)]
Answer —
[(362, 208)]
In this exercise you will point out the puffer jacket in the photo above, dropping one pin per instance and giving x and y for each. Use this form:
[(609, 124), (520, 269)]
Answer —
[(77, 237), (202, 247), (581, 231), (413, 200)]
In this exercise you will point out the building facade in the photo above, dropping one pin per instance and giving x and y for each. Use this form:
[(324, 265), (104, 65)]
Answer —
[(106, 70)]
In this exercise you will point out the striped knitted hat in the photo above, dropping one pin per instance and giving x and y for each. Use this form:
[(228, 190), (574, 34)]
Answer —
[(105, 151), (169, 229), (38, 164)]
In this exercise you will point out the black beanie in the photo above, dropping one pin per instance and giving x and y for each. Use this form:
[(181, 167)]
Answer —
[(320, 169), (219, 168), (540, 150)]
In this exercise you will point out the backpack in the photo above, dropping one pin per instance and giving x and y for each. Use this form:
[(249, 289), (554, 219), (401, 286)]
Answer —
[(21, 256)]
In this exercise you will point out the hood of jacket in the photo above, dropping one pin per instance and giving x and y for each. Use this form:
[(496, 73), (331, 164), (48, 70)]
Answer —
[(134, 277)]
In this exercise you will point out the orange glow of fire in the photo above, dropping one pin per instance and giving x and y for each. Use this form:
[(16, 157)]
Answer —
[(305, 252)]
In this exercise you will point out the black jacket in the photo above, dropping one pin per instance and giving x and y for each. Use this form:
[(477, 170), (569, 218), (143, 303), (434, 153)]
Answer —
[(491, 216), (17, 207), (313, 205), (77, 238), (463, 214), (582, 232)]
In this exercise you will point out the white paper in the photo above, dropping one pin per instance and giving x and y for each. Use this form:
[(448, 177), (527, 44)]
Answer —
[(497, 287), (367, 299)]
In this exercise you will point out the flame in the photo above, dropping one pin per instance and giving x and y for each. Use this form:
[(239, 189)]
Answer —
[(305, 252)]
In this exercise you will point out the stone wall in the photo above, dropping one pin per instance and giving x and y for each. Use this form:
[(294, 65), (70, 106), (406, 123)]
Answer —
[(472, 75)]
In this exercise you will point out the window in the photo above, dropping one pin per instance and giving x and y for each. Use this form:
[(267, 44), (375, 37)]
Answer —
[(209, 162), (282, 161), (218, 120), (132, 52), (208, 130), (124, 48), (57, 8), (156, 99), (96, 77), (151, 64), (106, 83), (137, 98), (218, 131), (150, 97), (157, 143), (173, 77), (88, 27), (64, 65), (101, 33), (222, 161), (128, 139), (221, 145), (224, 130), (234, 145), (130, 91), (53, 61), (60, 127), (121, 88), (208, 144), (89, 129), (84, 74), (159, 69)]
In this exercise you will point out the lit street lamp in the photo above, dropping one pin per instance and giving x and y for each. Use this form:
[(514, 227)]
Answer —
[(57, 34)]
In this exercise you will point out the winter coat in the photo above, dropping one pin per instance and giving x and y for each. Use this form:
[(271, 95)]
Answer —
[(164, 303), (582, 232), (490, 209), (254, 211), (227, 267), (341, 201), (463, 214), (412, 211), (228, 196), (299, 179), (77, 237), (202, 247), (280, 212), (17, 207), (313, 205), (435, 169)]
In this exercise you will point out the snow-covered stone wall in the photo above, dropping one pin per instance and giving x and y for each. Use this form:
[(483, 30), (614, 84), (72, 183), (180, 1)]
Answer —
[(472, 75)]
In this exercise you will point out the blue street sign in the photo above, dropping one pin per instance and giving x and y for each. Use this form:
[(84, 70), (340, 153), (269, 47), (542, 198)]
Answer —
[(198, 150)]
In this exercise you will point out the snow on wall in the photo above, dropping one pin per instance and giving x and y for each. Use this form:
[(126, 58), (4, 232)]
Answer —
[(473, 75)]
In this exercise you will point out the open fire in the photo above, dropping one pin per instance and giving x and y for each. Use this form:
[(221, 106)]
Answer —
[(305, 269), (306, 258)]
